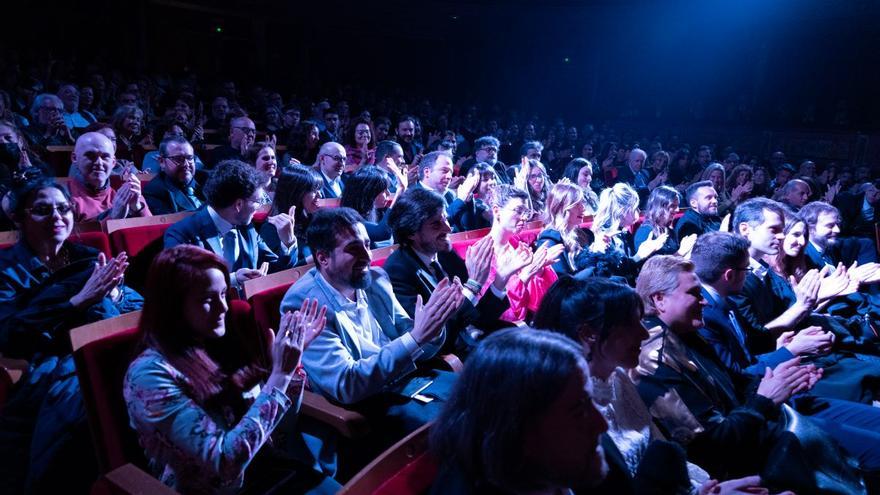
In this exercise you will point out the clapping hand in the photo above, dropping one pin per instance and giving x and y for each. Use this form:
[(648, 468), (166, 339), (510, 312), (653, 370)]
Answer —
[(466, 189), (651, 245), (478, 259), (788, 379), (509, 262), (284, 223), (687, 245), (725, 224), (520, 180), (807, 290), (106, 276), (865, 274), (297, 331), (429, 318)]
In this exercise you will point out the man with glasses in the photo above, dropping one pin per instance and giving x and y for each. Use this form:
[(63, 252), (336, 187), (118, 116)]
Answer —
[(486, 151), (175, 188), (242, 134), (330, 164), (47, 127), (94, 157), (225, 226)]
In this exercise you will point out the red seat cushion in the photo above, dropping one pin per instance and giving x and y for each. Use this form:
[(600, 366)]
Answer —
[(97, 240), (134, 239), (415, 478), (267, 307), (460, 247)]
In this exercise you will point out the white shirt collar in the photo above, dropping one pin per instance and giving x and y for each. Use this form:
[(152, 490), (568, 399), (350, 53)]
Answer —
[(222, 225)]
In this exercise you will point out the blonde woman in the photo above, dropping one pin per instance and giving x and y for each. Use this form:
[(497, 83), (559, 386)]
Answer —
[(612, 252), (566, 205)]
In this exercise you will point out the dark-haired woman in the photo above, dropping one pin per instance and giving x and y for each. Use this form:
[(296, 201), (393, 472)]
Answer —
[(49, 285), (298, 187), (203, 399), (366, 192), (360, 146), (659, 217), (478, 213), (520, 420), (579, 171), (261, 156), (303, 143)]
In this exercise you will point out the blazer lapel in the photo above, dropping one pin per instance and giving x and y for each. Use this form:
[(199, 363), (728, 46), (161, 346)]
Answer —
[(208, 232)]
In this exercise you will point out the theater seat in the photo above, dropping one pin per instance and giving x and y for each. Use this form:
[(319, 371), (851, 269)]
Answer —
[(382, 254), (97, 240), (407, 468), (133, 234), (8, 238)]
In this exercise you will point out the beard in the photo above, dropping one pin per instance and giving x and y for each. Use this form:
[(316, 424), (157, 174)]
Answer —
[(361, 280)]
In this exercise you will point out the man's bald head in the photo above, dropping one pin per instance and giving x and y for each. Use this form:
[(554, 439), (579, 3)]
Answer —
[(331, 159), (94, 156)]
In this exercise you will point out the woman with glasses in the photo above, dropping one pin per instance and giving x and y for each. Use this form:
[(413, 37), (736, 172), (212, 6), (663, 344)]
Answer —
[(131, 135), (613, 252), (510, 212), (49, 285), (360, 146)]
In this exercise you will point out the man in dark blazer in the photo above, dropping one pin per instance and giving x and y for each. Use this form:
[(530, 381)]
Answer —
[(435, 174), (703, 215), (175, 188), (859, 212), (225, 225), (330, 164), (425, 257), (827, 246)]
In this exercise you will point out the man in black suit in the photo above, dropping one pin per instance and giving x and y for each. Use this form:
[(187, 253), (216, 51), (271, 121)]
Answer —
[(703, 215), (225, 225), (426, 257), (330, 164), (859, 211), (826, 246), (242, 134), (175, 188), (435, 173)]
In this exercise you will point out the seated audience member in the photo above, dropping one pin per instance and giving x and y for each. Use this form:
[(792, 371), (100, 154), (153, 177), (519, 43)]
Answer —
[(794, 194), (367, 193), (739, 186), (225, 226), (858, 212), (298, 190), (612, 252), (486, 151), (74, 116), (406, 137), (47, 126), (14, 154), (784, 173), (532, 178), (425, 257), (219, 118), (760, 180), (634, 173), (579, 171), (131, 136), (160, 133), (525, 291), (702, 217), (330, 165), (242, 134), (261, 156), (371, 356), (565, 214), (174, 189), (659, 217), (91, 194), (478, 212), (360, 146), (826, 247), (727, 426), (49, 285), (520, 420), (191, 392), (303, 143), (658, 170), (435, 172), (389, 157), (530, 150), (604, 317), (331, 131), (714, 173)]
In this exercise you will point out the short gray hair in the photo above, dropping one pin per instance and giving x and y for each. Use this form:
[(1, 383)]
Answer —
[(38, 102)]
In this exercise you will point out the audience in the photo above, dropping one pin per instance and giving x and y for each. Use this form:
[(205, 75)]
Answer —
[(174, 189), (565, 214), (367, 193), (702, 216)]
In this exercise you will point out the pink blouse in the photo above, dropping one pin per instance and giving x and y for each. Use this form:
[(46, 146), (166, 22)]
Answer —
[(524, 297)]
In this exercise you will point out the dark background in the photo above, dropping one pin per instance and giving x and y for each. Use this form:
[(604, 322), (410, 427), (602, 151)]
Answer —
[(801, 63)]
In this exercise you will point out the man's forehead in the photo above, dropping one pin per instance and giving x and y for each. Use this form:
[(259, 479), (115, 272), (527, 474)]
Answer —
[(185, 147), (353, 233)]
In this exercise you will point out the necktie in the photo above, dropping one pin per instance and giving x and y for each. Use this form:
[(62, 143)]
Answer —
[(740, 336), (230, 243), (437, 270)]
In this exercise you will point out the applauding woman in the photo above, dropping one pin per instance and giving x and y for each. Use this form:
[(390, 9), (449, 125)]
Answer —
[(202, 399)]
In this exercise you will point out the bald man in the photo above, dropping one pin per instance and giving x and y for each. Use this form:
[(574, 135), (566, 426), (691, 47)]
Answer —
[(330, 163), (242, 134), (94, 157)]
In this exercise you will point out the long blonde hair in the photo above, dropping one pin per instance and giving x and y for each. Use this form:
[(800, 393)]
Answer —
[(614, 203), (561, 198)]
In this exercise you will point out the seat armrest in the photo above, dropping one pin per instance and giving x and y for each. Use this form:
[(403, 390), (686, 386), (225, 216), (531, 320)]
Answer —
[(130, 479), (349, 424), (453, 362)]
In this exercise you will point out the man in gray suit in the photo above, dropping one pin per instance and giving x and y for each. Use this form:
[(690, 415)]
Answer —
[(371, 354)]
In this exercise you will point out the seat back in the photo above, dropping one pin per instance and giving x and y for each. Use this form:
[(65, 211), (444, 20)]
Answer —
[(97, 240), (329, 202), (8, 238), (133, 234), (266, 293), (382, 254), (407, 468)]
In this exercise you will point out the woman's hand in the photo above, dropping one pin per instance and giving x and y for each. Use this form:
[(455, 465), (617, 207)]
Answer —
[(520, 180), (651, 245), (284, 223), (687, 245), (297, 331), (106, 276)]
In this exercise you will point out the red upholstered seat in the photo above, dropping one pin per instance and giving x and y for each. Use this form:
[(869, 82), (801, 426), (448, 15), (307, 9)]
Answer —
[(406, 468), (460, 247), (97, 240), (267, 307), (135, 239)]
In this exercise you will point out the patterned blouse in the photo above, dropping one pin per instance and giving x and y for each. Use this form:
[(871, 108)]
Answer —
[(191, 449)]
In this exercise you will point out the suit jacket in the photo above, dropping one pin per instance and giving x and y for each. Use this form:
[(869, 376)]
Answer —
[(199, 230), (718, 331), (165, 196), (694, 223), (455, 208), (850, 207), (326, 190), (334, 361), (410, 278)]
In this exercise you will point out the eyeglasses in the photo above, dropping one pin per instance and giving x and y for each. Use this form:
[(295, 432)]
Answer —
[(362, 132), (523, 211), (337, 158), (489, 149), (50, 109), (247, 130), (45, 209), (181, 159)]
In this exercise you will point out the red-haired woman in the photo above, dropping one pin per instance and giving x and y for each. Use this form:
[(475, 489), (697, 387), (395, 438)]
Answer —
[(199, 398)]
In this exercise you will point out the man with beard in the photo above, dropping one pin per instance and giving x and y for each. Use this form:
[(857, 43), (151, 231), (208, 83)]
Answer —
[(703, 215), (174, 189), (371, 356), (826, 247), (242, 133), (92, 197), (425, 257), (406, 133), (330, 164), (486, 150)]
